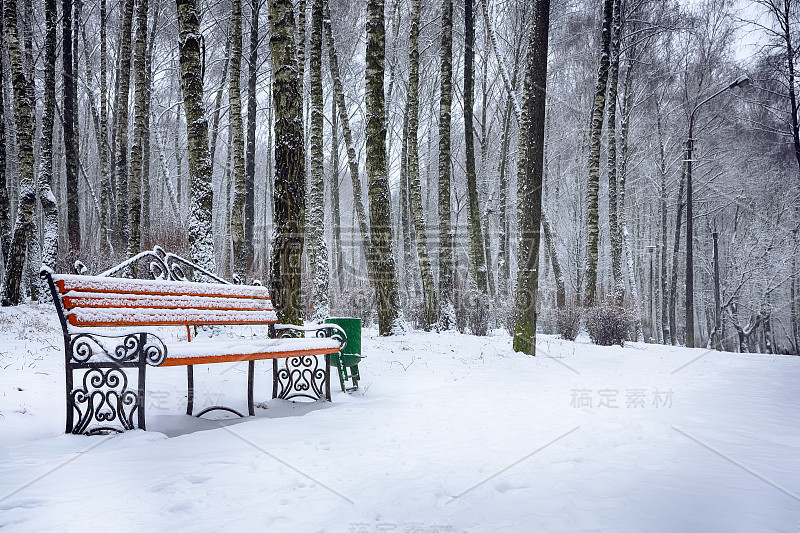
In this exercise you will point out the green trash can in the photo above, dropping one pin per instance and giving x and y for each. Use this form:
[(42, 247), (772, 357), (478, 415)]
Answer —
[(347, 361)]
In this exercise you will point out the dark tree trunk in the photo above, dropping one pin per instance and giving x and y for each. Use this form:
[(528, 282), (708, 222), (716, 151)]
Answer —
[(237, 143), (250, 166), (336, 223), (476, 243), (447, 314), (46, 197), (201, 242), (595, 133), (415, 188), (23, 227), (121, 148), (318, 250), (289, 194), (5, 204), (529, 190), (140, 121), (378, 193)]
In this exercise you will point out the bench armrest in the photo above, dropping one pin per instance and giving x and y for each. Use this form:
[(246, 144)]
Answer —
[(90, 347), (322, 330)]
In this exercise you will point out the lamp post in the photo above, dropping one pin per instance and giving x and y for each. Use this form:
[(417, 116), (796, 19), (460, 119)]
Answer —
[(717, 309), (741, 81)]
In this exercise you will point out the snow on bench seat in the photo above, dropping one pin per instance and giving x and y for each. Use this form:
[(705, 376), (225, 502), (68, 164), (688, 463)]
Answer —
[(165, 317), (69, 282), (216, 350), (74, 299)]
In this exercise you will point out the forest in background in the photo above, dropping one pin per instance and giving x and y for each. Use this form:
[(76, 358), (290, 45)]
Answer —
[(407, 132)]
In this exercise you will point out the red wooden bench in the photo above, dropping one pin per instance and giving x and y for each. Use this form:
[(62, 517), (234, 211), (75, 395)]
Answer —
[(111, 324)]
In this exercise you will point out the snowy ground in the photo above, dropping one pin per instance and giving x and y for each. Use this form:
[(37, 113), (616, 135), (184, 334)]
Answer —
[(448, 433)]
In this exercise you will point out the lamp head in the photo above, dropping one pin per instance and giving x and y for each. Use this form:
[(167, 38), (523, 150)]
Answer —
[(741, 81)]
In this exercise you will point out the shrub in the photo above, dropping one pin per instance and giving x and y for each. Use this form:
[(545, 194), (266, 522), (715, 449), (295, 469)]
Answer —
[(608, 323), (567, 322)]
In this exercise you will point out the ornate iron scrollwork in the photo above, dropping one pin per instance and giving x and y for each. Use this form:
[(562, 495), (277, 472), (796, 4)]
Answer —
[(302, 377), (306, 376), (104, 401), (165, 265), (104, 397), (134, 347)]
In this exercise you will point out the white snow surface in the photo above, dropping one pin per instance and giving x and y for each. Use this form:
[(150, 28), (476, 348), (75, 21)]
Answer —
[(448, 432), (214, 347)]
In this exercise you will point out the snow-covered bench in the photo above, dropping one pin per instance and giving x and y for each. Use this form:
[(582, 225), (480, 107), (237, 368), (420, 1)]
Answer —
[(111, 324)]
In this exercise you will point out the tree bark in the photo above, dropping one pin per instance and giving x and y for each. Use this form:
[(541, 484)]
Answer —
[(289, 195), (352, 160), (529, 189), (415, 189), (103, 147), (318, 250), (336, 223), (237, 143), (69, 110), (121, 149), (250, 167), (5, 203), (558, 274), (140, 120), (46, 196), (23, 226), (595, 133), (201, 241), (476, 244), (447, 314), (378, 193), (615, 234)]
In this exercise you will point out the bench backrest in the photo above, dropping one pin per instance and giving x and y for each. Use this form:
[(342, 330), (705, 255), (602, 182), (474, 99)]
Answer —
[(90, 301)]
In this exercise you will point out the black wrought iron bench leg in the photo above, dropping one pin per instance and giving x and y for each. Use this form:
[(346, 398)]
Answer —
[(189, 390), (302, 377)]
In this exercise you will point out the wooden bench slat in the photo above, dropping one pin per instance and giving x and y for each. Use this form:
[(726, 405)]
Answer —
[(66, 283), (87, 317), (74, 299), (231, 351)]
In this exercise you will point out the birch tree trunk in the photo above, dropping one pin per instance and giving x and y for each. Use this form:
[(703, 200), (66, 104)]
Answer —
[(318, 250), (289, 193), (69, 110), (595, 133), (428, 290), (5, 203), (336, 222), (250, 166), (237, 143), (352, 160), (406, 224), (23, 226), (46, 196), (121, 149), (529, 189), (139, 120), (378, 193), (615, 235), (201, 241), (558, 274), (447, 314), (476, 244), (103, 147)]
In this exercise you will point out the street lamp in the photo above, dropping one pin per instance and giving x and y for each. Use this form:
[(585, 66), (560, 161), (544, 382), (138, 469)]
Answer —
[(741, 81)]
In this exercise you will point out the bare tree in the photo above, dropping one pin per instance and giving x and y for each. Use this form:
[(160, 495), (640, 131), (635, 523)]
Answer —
[(289, 196), (201, 240)]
